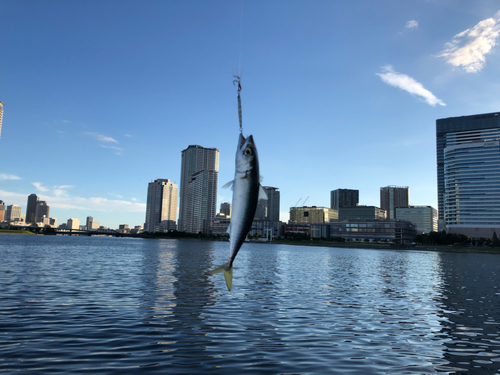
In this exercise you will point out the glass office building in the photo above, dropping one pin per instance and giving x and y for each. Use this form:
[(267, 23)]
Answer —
[(468, 168)]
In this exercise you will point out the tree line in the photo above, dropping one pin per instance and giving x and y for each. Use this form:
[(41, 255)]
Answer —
[(443, 238)]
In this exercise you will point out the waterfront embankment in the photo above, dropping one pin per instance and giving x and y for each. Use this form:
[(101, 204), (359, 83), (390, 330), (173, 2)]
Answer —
[(8, 231)]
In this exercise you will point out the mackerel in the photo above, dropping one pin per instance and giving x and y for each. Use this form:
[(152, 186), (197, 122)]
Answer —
[(246, 193)]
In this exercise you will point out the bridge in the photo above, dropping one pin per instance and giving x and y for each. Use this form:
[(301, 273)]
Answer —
[(79, 232)]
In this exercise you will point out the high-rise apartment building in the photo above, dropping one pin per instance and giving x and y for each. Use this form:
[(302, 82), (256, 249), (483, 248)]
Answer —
[(161, 206), (31, 208), (269, 209), (1, 117), (341, 198), (2, 211), (42, 209), (198, 188), (13, 213), (468, 165), (90, 220), (392, 197)]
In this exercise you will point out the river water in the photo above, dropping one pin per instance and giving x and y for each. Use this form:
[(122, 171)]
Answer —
[(123, 305)]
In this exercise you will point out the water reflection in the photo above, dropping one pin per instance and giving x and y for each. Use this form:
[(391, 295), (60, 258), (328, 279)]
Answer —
[(119, 305), (471, 302)]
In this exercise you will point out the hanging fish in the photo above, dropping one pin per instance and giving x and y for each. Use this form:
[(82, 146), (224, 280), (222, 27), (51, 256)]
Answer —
[(246, 193)]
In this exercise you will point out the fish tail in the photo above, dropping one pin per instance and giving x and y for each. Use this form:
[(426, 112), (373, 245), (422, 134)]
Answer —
[(228, 274)]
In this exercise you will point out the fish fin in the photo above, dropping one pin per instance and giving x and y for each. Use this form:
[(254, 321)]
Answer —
[(228, 274), (262, 193), (230, 183)]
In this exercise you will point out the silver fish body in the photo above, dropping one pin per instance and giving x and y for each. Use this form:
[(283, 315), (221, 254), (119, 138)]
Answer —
[(246, 193)]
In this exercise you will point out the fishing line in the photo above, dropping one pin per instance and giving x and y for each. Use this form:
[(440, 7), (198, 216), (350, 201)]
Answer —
[(238, 78), (241, 36)]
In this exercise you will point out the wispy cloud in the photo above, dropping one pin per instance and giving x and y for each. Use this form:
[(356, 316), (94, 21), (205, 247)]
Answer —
[(102, 138), (4, 176), (412, 24), (128, 135), (408, 84), (117, 149), (468, 48), (57, 191), (79, 203), (113, 147), (40, 187)]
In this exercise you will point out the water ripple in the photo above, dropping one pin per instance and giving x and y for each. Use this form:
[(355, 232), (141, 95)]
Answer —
[(80, 305)]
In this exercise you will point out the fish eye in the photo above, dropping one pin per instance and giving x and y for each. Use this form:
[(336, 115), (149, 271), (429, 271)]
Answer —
[(248, 151)]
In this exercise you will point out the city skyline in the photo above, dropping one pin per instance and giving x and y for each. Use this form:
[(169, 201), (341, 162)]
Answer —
[(336, 95)]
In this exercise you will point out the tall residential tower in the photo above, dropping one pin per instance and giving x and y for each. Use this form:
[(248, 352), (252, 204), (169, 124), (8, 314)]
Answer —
[(161, 206), (198, 188)]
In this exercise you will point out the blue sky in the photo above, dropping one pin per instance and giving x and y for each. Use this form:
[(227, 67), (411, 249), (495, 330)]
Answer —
[(101, 97)]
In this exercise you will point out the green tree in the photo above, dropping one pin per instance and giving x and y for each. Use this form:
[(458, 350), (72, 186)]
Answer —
[(495, 241)]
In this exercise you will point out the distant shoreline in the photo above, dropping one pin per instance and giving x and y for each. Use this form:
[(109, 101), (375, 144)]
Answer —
[(350, 245), (372, 246)]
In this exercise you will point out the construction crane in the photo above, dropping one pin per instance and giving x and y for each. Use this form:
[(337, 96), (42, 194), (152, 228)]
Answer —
[(304, 203), (296, 204)]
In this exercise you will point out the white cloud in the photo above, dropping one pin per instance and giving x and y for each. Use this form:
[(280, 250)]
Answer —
[(78, 203), (128, 135), (118, 149), (4, 176), (113, 147), (102, 138), (412, 24), (408, 84), (40, 187), (57, 191), (468, 48)]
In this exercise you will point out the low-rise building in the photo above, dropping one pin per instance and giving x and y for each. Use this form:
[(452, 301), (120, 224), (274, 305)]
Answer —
[(166, 226), (425, 218), (312, 215), (73, 224), (400, 231), (361, 213), (268, 229), (220, 224)]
